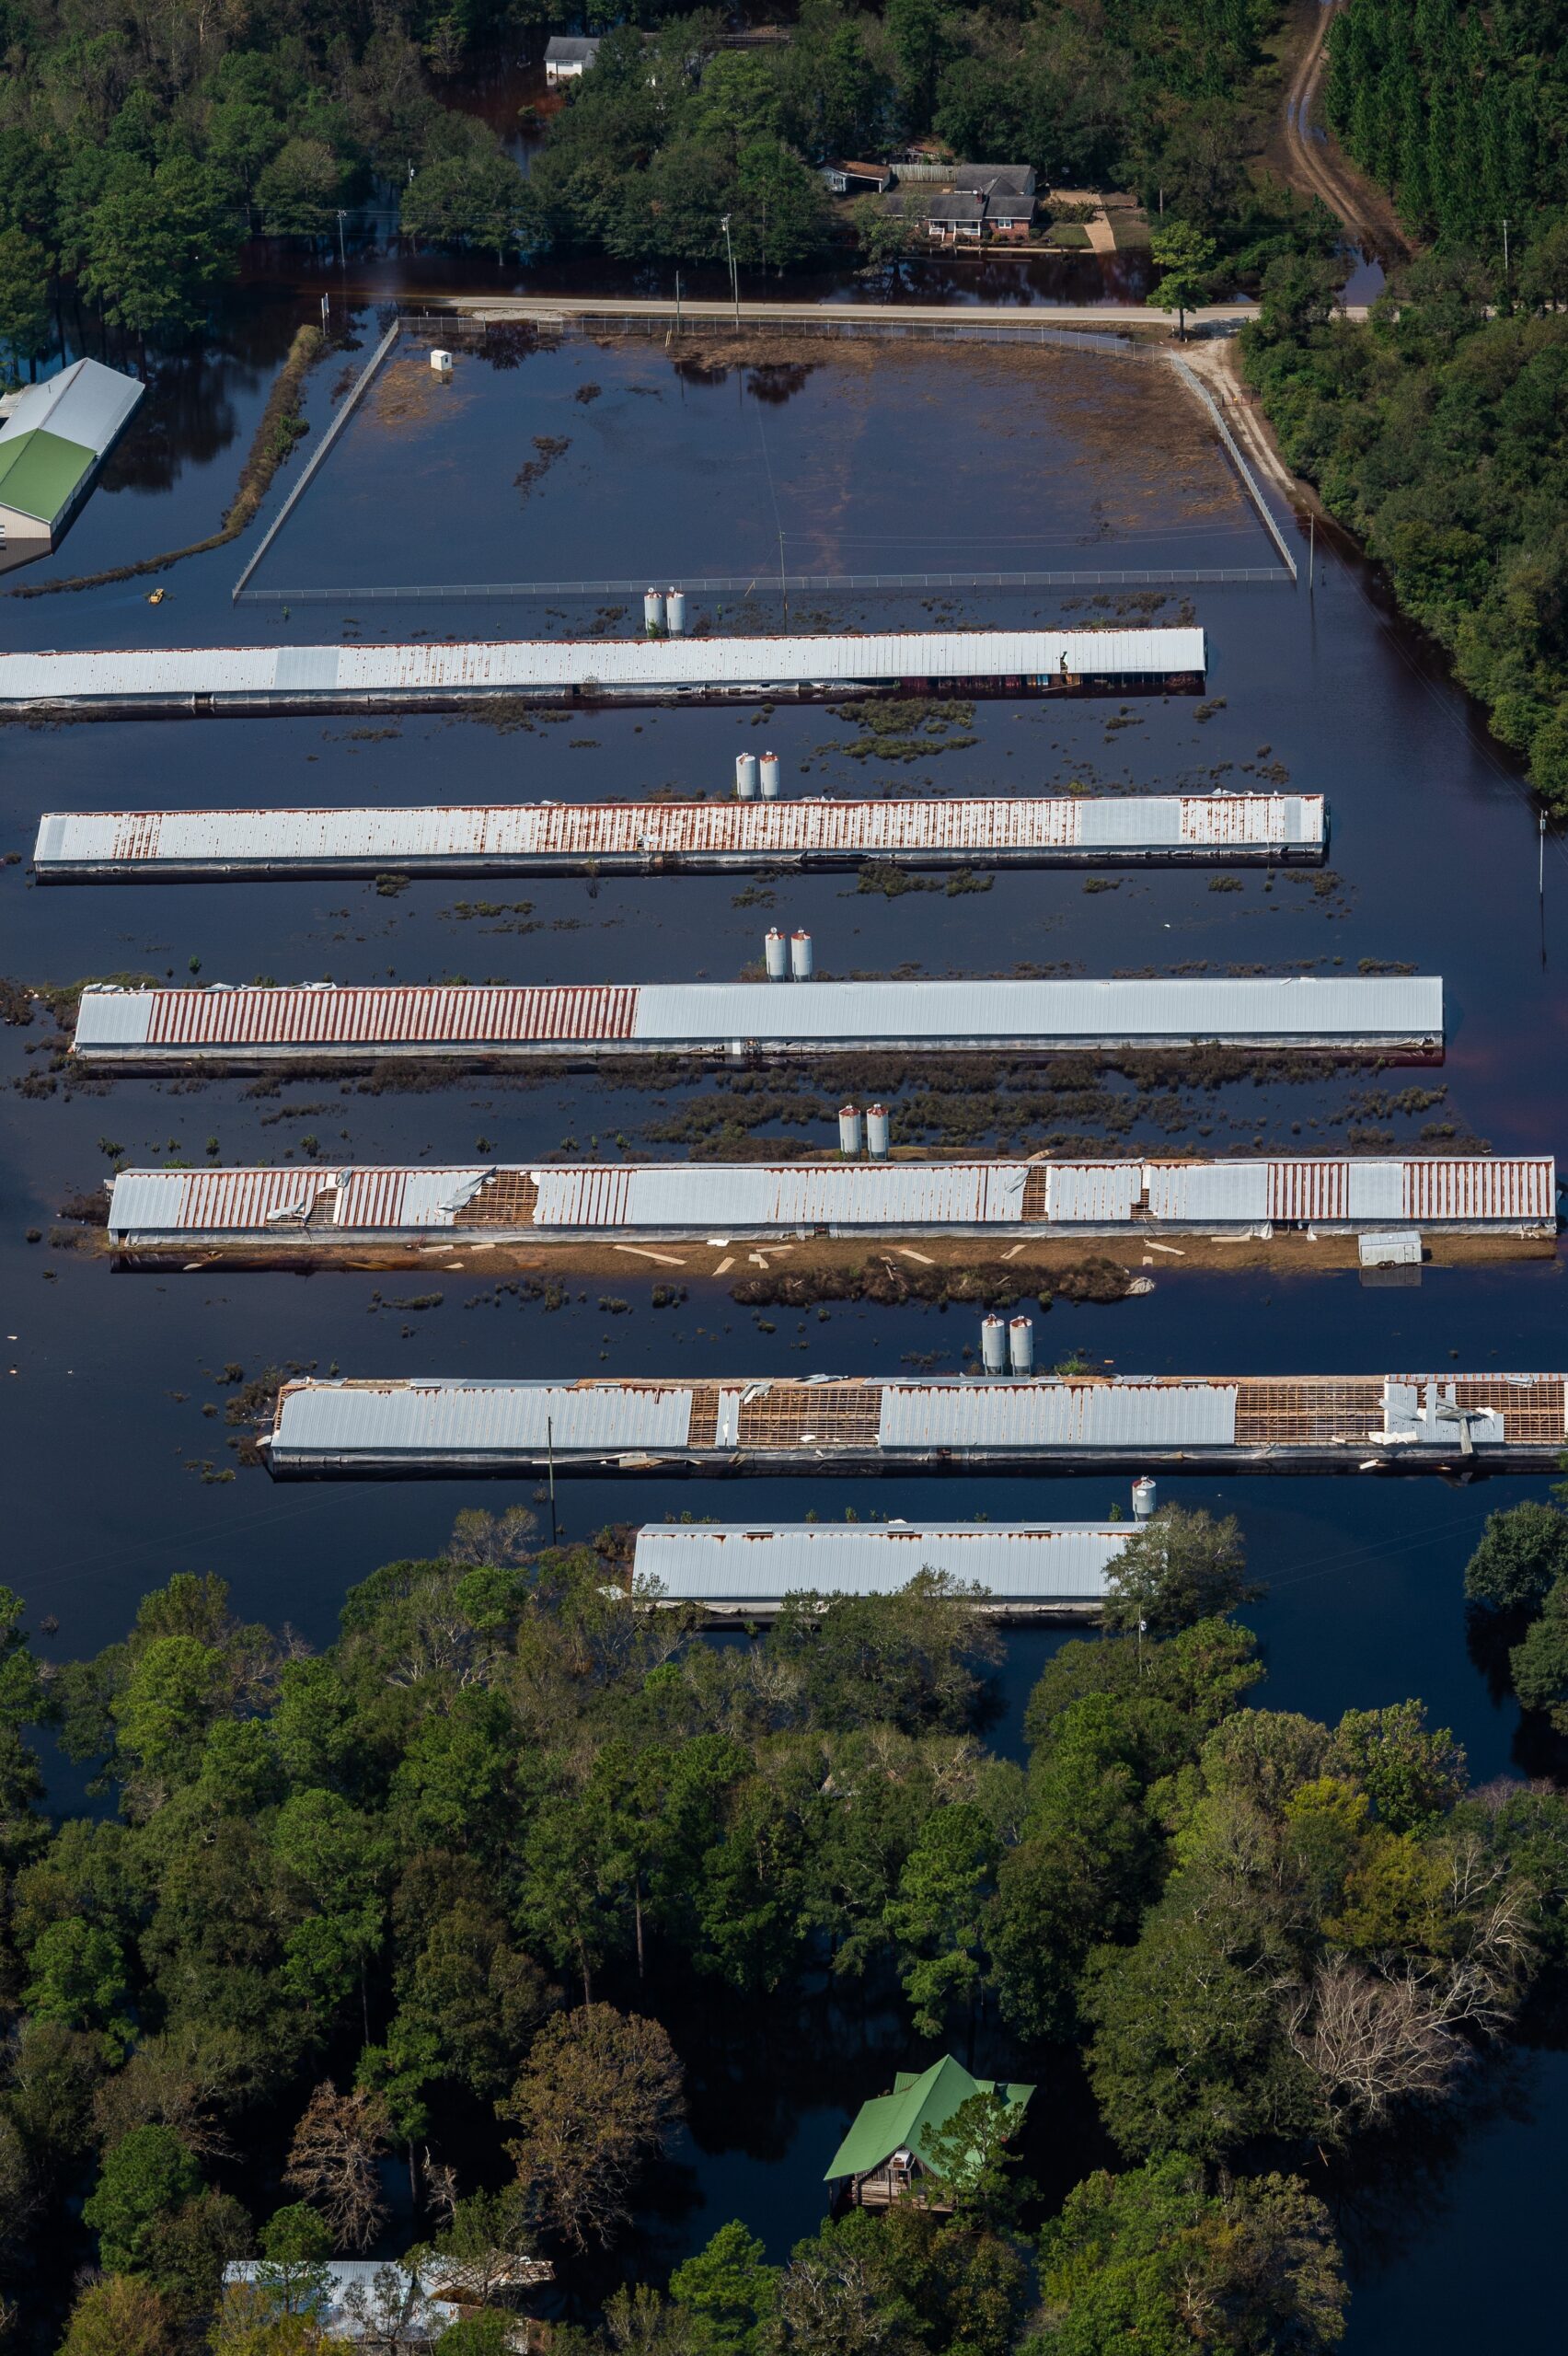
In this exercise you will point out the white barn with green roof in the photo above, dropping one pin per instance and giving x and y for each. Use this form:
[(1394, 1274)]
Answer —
[(51, 445)]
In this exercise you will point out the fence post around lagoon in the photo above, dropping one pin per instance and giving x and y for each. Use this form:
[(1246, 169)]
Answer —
[(1240, 463), (350, 405)]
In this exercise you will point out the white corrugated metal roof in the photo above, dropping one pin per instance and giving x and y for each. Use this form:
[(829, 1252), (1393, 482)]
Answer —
[(1080, 1193), (1304, 1008), (1047, 1413), (85, 403), (759, 1563), (365, 2296), (706, 1014), (266, 839), (1211, 1190), (1504, 1187), (653, 665), (782, 1194), (394, 1419), (842, 1196)]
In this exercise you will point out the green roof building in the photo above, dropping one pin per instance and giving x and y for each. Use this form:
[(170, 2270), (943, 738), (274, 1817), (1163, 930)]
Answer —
[(51, 445), (883, 2157)]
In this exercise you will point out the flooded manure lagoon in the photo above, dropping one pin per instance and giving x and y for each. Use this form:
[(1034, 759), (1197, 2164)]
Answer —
[(124, 1461)]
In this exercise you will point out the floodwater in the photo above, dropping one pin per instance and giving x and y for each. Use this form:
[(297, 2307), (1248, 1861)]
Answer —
[(117, 1473), (801, 463)]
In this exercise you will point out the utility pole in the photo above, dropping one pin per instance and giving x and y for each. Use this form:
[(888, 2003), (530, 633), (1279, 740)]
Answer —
[(784, 593), (1540, 886), (1504, 245), (343, 257), (1311, 549), (549, 1459), (735, 282), (678, 302)]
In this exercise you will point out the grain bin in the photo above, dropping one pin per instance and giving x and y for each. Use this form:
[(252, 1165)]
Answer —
[(1020, 1344), (676, 612), (654, 612), (850, 1132), (878, 1132), (800, 956), (746, 776), (770, 777), (1145, 1498), (776, 955), (993, 1343)]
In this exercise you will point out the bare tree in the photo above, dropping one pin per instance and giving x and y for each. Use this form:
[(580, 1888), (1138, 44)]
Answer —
[(182, 2080), (441, 2188), (1373, 2043), (828, 2306), (598, 2096), (332, 2161)]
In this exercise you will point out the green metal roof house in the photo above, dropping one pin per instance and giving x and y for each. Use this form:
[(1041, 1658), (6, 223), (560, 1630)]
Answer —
[(52, 446), (883, 2155)]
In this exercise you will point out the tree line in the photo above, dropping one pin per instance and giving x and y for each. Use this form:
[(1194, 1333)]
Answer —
[(1458, 110), (1437, 432), (427, 1909), (671, 134), (140, 146)]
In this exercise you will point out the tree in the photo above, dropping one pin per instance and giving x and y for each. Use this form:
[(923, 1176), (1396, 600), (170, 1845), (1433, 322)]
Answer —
[(780, 214), (120, 2316), (1176, 1569), (890, 2285), (481, 199), (938, 1913), (728, 2290), (1152, 2260), (1413, 1777), (293, 2275), (482, 2247), (1185, 257), (78, 1978), (1082, 1868), (332, 2159), (596, 2098), (141, 2184), (1543, 278), (170, 1699), (921, 35), (27, 329), (1189, 2050), (968, 2156), (157, 244), (299, 190), (1522, 1552), (1298, 295), (1539, 1665)]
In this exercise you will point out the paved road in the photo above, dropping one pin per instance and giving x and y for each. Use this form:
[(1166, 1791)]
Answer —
[(967, 314)]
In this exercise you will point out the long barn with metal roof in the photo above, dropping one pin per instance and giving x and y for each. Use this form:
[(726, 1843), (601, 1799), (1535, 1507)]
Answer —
[(248, 681), (743, 1570), (324, 1210), (321, 1023), (343, 1429), (55, 437), (674, 837)]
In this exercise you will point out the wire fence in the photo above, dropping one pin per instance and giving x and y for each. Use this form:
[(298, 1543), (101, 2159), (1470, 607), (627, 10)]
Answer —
[(675, 320), (361, 387), (768, 584)]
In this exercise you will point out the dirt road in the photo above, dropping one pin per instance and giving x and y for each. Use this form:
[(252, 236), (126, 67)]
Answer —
[(1314, 164)]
